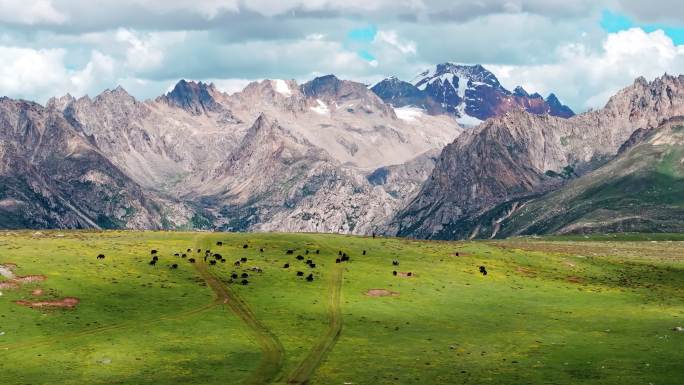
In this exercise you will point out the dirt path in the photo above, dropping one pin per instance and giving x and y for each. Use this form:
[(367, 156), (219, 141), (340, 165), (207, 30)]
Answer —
[(302, 374), (271, 365)]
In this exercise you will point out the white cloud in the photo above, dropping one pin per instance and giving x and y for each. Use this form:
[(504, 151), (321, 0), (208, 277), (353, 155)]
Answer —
[(586, 79), (40, 74), (392, 38), (30, 12)]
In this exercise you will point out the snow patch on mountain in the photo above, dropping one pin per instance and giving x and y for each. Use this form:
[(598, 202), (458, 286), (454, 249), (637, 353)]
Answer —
[(282, 88), (409, 114), (321, 108)]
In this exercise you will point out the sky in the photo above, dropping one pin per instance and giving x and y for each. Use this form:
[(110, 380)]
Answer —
[(582, 50)]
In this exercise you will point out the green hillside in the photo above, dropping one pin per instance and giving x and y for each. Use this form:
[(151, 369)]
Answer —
[(557, 311), (642, 190)]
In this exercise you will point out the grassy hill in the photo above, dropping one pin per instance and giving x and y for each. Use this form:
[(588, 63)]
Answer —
[(548, 311), (642, 190)]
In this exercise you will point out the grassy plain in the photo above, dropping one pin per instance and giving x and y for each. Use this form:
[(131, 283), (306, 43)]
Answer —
[(595, 310)]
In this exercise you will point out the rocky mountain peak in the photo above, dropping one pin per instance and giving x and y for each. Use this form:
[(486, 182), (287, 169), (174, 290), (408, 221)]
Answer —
[(520, 91), (328, 85), (195, 97)]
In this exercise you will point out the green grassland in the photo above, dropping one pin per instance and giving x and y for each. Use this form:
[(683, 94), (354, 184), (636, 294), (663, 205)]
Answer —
[(596, 310)]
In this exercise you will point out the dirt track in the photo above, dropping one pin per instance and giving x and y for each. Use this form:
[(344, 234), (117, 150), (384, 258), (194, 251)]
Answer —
[(302, 374), (273, 353)]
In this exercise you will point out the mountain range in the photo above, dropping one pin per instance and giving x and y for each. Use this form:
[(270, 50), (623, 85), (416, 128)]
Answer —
[(451, 154)]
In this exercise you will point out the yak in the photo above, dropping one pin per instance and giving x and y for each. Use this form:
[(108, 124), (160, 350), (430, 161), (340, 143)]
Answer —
[(174, 266), (286, 266), (191, 260), (300, 274), (101, 256)]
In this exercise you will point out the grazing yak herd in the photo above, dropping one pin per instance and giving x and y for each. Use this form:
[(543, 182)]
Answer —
[(214, 258)]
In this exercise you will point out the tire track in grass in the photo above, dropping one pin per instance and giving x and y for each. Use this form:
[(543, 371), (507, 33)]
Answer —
[(302, 374), (272, 351)]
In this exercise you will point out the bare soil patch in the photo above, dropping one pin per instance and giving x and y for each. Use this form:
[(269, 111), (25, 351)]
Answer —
[(37, 292), (67, 302), (381, 293), (526, 271), (30, 278), (9, 285), (574, 279)]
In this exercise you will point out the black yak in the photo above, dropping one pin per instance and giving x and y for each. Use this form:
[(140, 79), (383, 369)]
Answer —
[(153, 262), (243, 259), (364, 252), (395, 262), (188, 250), (286, 266), (223, 260), (212, 262), (338, 260), (237, 263), (289, 251), (261, 250), (309, 277), (244, 275), (339, 252), (155, 258), (299, 258), (218, 256), (199, 250), (191, 260), (174, 266), (153, 252), (101, 256), (318, 251), (312, 265), (245, 246), (308, 261), (234, 275), (300, 274), (184, 255), (176, 255), (219, 243), (394, 272), (306, 251), (244, 282)]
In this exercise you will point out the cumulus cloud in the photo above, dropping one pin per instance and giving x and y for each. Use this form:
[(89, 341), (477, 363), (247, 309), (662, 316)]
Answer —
[(40, 74), (30, 12), (586, 78)]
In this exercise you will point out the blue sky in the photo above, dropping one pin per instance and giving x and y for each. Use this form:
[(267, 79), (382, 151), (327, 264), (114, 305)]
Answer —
[(582, 50), (612, 21)]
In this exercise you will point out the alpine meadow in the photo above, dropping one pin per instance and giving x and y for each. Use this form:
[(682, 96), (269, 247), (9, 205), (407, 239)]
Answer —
[(332, 192)]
